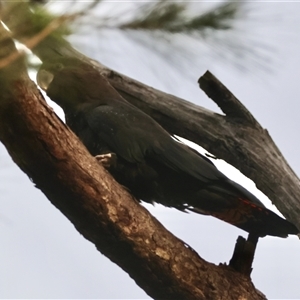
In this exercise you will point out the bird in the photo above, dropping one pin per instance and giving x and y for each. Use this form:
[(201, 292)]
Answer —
[(144, 157)]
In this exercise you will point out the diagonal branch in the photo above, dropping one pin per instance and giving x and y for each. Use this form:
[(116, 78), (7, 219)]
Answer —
[(161, 264), (100, 209)]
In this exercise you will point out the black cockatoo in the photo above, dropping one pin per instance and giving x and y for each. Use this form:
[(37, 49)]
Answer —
[(148, 161)]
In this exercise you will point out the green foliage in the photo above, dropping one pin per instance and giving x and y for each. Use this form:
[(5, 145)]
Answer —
[(172, 18), (160, 25), (218, 18), (29, 19), (42, 17), (163, 16)]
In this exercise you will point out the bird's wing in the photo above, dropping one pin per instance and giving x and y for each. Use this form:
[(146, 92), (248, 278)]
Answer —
[(135, 137)]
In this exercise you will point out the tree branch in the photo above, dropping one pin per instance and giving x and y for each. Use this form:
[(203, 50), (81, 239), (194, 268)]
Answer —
[(100, 209), (161, 264), (228, 103)]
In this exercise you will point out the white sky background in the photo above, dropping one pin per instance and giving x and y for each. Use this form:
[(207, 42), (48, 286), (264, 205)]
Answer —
[(43, 256)]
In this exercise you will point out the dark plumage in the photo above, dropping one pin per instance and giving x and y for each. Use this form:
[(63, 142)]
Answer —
[(154, 166)]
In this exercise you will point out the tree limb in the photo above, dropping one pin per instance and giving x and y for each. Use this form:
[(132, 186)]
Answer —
[(228, 103), (51, 155), (100, 209)]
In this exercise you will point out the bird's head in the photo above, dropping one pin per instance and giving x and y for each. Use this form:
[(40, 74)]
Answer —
[(70, 82)]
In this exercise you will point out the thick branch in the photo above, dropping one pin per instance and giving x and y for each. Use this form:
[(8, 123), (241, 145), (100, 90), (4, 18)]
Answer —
[(236, 137), (102, 211), (91, 200)]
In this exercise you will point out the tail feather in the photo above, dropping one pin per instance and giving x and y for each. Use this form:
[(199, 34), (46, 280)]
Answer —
[(233, 204)]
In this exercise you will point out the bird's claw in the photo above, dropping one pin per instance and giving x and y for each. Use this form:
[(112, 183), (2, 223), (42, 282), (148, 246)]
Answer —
[(107, 160)]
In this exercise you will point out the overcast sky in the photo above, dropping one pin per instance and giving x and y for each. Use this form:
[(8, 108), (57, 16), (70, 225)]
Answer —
[(41, 253)]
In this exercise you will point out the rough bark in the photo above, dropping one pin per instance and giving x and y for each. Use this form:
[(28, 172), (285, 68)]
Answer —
[(235, 137), (101, 210)]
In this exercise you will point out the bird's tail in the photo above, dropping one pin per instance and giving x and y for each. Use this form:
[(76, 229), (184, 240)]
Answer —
[(232, 203)]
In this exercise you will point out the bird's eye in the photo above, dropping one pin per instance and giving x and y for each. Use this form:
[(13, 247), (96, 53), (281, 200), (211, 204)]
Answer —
[(44, 78)]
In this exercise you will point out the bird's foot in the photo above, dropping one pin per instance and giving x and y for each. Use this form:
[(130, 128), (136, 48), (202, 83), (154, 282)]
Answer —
[(107, 160)]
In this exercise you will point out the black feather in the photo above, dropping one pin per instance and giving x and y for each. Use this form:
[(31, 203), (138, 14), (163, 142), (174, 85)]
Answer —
[(153, 165)]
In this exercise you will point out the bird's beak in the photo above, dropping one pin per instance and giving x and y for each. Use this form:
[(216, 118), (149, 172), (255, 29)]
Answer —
[(44, 78)]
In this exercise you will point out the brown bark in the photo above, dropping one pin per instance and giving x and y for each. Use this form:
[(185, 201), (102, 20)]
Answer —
[(235, 137), (102, 211), (105, 213)]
